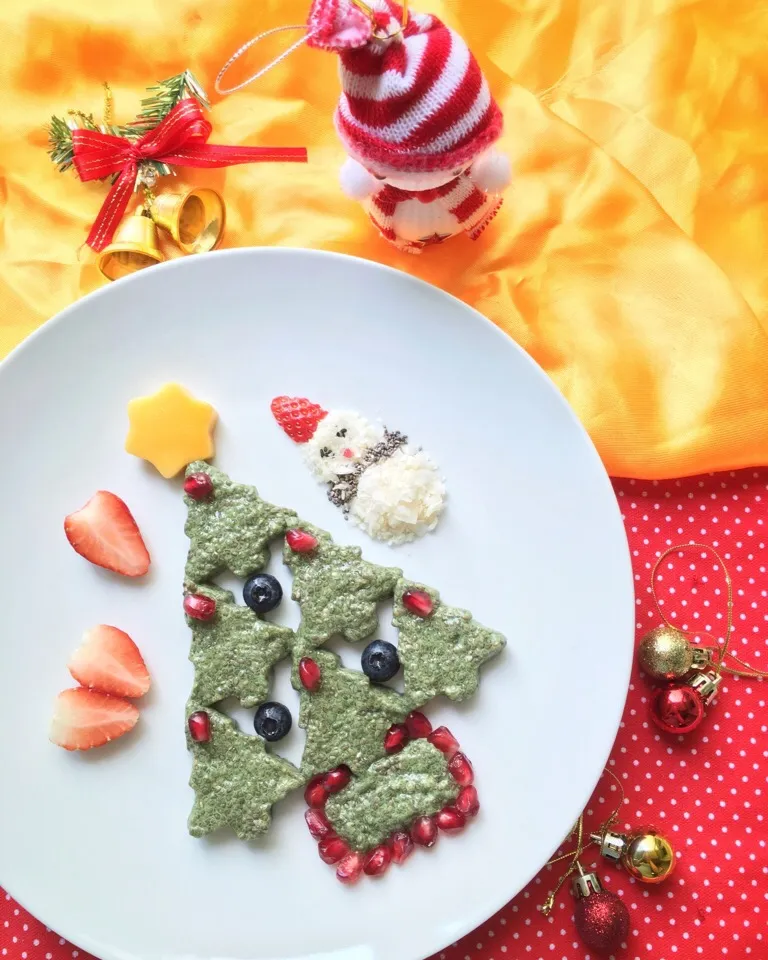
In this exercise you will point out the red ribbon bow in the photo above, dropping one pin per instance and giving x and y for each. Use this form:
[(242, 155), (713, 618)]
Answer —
[(181, 139)]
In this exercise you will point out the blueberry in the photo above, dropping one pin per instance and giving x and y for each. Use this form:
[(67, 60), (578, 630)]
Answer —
[(272, 721), (262, 592), (380, 661)]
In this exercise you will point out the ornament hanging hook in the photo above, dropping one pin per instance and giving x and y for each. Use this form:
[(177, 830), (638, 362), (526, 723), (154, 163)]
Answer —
[(371, 14), (581, 845), (225, 91), (723, 651)]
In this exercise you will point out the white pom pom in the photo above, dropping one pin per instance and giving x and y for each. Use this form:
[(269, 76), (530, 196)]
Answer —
[(356, 182), (492, 172)]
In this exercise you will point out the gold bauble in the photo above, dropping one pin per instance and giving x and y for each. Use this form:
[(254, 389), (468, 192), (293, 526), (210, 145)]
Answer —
[(666, 654), (648, 856)]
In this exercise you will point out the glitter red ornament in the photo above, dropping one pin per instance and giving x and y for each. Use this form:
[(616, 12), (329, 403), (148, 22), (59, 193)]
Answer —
[(602, 920), (601, 917)]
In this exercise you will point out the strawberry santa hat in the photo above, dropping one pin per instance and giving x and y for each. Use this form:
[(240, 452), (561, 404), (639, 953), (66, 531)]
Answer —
[(414, 99), (298, 416)]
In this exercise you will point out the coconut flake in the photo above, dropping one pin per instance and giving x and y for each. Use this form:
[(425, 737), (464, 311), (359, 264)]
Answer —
[(339, 444), (399, 498)]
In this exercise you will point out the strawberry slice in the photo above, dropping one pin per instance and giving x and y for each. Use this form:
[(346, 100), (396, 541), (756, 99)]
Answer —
[(83, 719), (105, 533), (110, 662)]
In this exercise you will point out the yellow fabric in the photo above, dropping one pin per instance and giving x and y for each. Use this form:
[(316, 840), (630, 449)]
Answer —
[(630, 257)]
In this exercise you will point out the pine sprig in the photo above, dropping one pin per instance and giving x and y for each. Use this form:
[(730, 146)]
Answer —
[(164, 97), (60, 148)]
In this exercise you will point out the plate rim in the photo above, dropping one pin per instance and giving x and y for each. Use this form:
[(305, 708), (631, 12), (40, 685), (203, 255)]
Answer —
[(477, 918)]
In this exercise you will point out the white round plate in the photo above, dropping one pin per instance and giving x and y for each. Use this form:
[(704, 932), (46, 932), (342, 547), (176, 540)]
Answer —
[(95, 844)]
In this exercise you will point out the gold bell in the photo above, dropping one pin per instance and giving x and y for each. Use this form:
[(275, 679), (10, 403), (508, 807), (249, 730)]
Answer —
[(134, 247), (195, 219)]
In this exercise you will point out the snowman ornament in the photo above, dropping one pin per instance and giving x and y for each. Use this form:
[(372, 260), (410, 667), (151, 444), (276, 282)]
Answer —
[(393, 491), (417, 119)]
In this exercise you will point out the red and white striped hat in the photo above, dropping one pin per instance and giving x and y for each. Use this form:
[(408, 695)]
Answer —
[(414, 99)]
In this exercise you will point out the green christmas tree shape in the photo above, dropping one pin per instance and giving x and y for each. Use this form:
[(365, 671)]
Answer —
[(442, 653), (235, 777), (337, 590), (346, 719), (236, 781), (412, 783), (232, 529), (234, 653)]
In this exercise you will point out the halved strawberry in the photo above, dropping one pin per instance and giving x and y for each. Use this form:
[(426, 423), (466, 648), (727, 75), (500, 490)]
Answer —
[(110, 662), (83, 719), (105, 533)]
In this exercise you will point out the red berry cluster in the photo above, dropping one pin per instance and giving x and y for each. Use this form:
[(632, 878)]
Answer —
[(351, 864)]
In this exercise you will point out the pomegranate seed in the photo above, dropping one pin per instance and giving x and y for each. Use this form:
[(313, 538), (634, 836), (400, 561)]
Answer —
[(332, 849), (418, 602), (337, 779), (395, 738), (450, 818), (444, 740), (467, 801), (198, 486), (315, 793), (300, 541), (310, 674), (424, 831), (402, 846), (318, 823), (350, 868), (417, 725), (200, 727), (199, 607), (377, 861), (461, 770)]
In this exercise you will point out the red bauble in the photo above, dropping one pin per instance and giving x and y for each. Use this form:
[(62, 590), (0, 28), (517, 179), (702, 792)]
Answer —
[(602, 920), (677, 708)]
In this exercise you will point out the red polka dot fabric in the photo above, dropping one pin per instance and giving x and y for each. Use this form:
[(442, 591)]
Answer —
[(706, 791)]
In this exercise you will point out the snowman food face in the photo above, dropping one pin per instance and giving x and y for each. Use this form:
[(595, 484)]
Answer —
[(339, 443)]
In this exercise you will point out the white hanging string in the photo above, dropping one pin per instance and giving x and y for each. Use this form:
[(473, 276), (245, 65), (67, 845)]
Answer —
[(273, 63), (224, 91)]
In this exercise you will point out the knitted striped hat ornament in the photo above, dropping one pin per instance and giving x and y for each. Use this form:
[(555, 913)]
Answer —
[(416, 117)]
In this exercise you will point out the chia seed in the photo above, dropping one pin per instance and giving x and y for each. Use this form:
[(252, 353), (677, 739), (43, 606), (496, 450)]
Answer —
[(343, 492)]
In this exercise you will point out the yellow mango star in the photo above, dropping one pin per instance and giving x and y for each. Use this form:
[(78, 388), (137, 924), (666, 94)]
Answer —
[(170, 429)]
